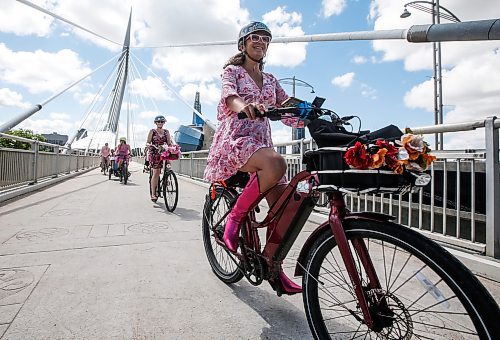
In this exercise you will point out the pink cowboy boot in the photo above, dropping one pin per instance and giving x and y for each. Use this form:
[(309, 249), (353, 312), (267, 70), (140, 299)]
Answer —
[(247, 201), (288, 287)]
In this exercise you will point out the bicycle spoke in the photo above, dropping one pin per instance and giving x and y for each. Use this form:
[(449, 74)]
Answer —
[(400, 271), (407, 280), (441, 327), (348, 283)]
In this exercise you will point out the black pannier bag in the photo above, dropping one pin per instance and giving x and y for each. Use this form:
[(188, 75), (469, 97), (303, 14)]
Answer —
[(326, 133), (333, 142)]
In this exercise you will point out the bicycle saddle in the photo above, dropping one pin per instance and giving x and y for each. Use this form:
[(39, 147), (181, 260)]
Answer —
[(239, 180)]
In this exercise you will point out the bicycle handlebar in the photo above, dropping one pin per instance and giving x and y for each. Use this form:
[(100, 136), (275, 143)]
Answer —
[(310, 113)]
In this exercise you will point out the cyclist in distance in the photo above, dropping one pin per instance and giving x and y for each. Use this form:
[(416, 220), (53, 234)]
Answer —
[(246, 144), (123, 152), (105, 150), (156, 138)]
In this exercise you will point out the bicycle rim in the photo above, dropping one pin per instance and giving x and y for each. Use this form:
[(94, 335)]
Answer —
[(222, 263), (125, 174), (426, 293), (170, 191)]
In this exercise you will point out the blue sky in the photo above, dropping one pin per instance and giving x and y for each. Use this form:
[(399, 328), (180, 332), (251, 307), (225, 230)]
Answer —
[(383, 82)]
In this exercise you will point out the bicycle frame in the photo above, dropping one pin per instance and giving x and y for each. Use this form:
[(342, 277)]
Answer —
[(286, 218)]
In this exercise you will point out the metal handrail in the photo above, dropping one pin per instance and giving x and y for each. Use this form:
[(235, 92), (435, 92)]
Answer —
[(470, 162), (33, 165)]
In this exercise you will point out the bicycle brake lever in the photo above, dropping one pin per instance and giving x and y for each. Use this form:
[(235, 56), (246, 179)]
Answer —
[(243, 115)]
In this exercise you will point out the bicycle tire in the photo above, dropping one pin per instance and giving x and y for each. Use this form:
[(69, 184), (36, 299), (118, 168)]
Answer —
[(219, 259), (150, 177), (463, 308), (170, 190), (125, 173)]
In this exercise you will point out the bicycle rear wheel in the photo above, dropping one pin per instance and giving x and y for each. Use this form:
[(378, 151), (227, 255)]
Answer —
[(426, 292), (222, 263), (170, 190)]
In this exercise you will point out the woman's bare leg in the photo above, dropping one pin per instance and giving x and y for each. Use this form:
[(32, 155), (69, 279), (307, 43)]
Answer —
[(270, 167), (154, 181)]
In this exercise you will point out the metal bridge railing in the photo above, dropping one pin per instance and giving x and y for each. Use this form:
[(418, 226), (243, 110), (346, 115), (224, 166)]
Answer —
[(20, 167), (461, 206)]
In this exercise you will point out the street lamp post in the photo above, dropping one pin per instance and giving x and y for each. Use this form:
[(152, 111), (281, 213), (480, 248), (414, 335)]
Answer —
[(436, 57), (295, 82), (297, 133)]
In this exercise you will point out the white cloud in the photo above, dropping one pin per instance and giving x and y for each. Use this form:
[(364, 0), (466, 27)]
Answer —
[(470, 69), (151, 87), (344, 80), (12, 98), (148, 114), (41, 71), (209, 93), (204, 64), (126, 105), (359, 59), (332, 7), (59, 116), (369, 92), (20, 19), (85, 98), (282, 135), (285, 24), (60, 126)]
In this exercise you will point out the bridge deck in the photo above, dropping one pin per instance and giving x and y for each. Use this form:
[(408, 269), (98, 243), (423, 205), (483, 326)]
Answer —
[(94, 259)]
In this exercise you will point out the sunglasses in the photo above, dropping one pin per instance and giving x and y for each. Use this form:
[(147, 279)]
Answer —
[(160, 121), (256, 38)]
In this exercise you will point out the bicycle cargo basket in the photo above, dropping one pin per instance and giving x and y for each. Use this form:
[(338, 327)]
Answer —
[(334, 174)]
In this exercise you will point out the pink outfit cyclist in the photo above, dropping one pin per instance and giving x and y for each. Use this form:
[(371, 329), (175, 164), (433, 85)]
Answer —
[(236, 140), (246, 145), (122, 151), (105, 150)]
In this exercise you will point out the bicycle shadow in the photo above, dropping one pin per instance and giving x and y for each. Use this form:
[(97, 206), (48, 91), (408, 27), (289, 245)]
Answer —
[(184, 214), (285, 320)]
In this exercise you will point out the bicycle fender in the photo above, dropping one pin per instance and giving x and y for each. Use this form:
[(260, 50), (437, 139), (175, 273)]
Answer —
[(365, 215)]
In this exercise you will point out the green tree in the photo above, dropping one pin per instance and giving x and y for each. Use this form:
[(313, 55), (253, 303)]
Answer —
[(14, 144)]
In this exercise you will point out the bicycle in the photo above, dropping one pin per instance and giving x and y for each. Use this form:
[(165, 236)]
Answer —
[(167, 185), (122, 169), (363, 275), (104, 165)]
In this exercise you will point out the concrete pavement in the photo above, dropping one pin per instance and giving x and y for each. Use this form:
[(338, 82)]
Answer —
[(91, 258)]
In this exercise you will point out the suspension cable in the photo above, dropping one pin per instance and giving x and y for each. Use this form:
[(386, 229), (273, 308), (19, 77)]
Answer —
[(134, 66), (43, 10), (208, 122)]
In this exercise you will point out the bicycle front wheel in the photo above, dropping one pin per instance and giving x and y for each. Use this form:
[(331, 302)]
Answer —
[(125, 173), (224, 264), (170, 191), (426, 293)]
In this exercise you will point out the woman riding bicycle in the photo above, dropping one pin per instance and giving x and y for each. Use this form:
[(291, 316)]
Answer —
[(123, 152), (156, 138), (246, 145), (105, 156)]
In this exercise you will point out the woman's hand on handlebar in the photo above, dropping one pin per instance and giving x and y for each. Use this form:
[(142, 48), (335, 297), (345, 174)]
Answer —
[(254, 110)]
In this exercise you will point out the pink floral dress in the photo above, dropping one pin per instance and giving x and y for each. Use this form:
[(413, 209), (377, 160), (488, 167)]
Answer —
[(236, 140), (154, 154)]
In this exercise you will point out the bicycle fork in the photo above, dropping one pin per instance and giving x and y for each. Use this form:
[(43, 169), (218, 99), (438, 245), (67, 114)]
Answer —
[(337, 213)]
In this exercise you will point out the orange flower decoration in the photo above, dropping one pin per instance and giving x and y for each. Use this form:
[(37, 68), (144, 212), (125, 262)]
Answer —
[(378, 159)]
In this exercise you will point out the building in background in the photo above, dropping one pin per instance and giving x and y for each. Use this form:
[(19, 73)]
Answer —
[(55, 138)]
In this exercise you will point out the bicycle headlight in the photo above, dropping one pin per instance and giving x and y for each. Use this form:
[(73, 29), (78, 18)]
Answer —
[(422, 180)]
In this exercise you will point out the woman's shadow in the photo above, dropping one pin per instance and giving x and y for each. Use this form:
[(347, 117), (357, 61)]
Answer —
[(285, 320)]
